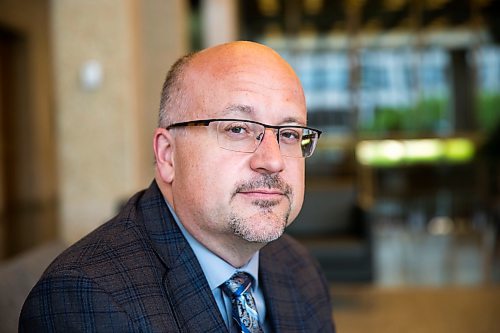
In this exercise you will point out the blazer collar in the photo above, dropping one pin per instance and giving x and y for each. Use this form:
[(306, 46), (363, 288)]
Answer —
[(283, 302)]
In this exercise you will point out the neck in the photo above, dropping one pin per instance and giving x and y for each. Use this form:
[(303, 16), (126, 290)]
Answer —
[(231, 248)]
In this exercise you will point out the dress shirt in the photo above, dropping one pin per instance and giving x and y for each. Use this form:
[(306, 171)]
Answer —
[(217, 271)]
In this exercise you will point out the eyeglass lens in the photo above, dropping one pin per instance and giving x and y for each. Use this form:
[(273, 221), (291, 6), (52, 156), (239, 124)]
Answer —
[(245, 137)]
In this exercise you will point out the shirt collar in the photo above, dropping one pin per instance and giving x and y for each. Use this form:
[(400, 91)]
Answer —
[(216, 269)]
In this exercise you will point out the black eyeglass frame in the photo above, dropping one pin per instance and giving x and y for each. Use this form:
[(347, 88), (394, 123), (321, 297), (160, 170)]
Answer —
[(206, 122)]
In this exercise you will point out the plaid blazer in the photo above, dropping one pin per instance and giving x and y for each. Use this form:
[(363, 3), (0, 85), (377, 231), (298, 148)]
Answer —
[(137, 273)]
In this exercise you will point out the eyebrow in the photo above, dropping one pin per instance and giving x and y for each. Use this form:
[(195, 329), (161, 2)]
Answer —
[(248, 110), (239, 108)]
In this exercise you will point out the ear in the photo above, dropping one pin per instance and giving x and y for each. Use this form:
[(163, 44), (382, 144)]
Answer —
[(163, 148)]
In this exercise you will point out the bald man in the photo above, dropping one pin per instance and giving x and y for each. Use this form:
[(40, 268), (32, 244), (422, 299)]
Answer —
[(202, 249)]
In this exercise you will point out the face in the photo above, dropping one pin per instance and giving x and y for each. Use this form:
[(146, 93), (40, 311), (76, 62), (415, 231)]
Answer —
[(232, 195)]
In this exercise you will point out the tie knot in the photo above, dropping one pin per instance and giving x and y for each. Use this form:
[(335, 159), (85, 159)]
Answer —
[(237, 284)]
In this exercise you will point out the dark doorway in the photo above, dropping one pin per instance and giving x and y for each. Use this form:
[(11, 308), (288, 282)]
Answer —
[(23, 218)]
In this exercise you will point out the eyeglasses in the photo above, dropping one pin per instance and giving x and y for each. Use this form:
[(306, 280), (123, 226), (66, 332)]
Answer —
[(246, 135)]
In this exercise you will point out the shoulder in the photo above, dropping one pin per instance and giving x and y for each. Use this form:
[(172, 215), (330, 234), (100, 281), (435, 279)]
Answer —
[(100, 275), (113, 241), (106, 253), (71, 302)]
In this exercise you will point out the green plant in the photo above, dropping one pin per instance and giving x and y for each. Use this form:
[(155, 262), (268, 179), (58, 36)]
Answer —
[(488, 110)]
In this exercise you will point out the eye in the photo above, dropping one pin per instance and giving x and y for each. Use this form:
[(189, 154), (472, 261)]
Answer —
[(237, 130), (290, 135)]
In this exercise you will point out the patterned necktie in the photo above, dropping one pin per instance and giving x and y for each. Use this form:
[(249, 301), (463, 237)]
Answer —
[(238, 288)]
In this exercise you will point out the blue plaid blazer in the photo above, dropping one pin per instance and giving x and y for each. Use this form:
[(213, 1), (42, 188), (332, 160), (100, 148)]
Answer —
[(137, 273)]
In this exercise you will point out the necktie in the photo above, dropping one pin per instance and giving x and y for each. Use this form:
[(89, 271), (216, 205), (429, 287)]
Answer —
[(238, 288)]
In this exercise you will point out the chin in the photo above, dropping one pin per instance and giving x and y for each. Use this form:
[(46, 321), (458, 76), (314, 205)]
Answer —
[(262, 238), (258, 229)]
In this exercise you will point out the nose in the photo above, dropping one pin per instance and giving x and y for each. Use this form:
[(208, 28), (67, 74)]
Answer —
[(267, 158)]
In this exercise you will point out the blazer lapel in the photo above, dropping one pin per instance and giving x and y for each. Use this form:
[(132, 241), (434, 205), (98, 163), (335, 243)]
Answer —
[(283, 303), (188, 293)]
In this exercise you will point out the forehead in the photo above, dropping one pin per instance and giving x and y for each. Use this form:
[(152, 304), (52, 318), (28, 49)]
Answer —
[(252, 83), (241, 111)]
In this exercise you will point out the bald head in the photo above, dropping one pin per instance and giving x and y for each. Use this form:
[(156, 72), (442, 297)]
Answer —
[(228, 59), (192, 77)]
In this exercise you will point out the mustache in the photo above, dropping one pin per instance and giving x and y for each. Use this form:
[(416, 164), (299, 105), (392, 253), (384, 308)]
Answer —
[(265, 181)]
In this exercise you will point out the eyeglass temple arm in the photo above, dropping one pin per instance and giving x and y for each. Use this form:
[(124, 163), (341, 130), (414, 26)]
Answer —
[(191, 123)]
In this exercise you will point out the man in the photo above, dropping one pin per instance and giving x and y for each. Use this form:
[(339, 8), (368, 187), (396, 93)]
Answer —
[(202, 249)]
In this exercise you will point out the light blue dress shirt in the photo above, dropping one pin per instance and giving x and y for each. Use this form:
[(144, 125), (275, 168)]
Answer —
[(217, 271)]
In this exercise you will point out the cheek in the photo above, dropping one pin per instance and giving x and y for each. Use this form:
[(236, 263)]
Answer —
[(206, 179), (295, 176)]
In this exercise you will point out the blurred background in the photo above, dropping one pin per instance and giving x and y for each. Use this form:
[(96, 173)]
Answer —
[(402, 206)]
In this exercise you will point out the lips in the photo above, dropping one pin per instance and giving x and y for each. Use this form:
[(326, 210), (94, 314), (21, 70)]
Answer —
[(263, 194), (265, 191)]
